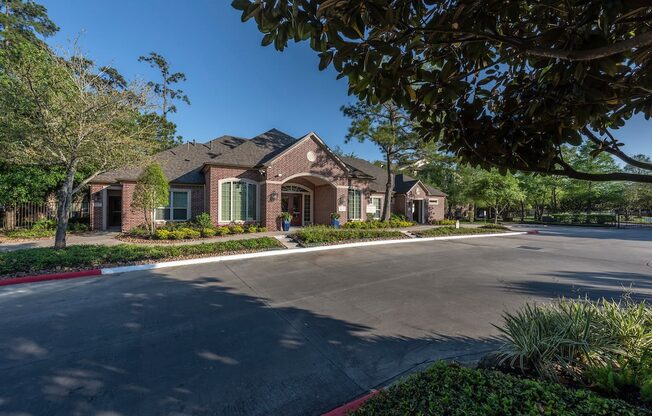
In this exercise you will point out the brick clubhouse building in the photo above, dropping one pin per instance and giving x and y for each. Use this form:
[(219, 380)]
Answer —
[(254, 180)]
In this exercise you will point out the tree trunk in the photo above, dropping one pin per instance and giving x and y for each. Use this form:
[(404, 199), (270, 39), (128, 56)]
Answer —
[(388, 188), (63, 207), (522, 211)]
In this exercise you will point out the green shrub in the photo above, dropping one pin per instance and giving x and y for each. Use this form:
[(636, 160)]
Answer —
[(36, 260), (176, 234), (29, 233), (606, 344), (443, 222), (319, 234), (236, 229), (494, 227), (43, 224), (251, 228), (44, 228), (262, 229), (377, 224), (207, 232), (191, 233), (447, 231), (162, 234), (221, 231), (203, 221), (445, 389), (583, 218)]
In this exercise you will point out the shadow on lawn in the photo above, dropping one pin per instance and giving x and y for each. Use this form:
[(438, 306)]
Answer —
[(156, 345)]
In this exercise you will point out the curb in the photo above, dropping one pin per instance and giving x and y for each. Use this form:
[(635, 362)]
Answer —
[(231, 257), (54, 276), (352, 405)]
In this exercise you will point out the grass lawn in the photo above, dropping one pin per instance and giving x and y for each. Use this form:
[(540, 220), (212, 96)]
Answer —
[(446, 231), (79, 257), (319, 235), (451, 390)]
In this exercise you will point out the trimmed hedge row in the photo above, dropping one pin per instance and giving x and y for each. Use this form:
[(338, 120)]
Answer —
[(445, 231), (451, 390), (581, 218), (327, 235), (36, 260), (377, 224)]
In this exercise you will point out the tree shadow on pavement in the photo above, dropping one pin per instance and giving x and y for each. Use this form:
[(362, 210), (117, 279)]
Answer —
[(156, 345), (592, 285)]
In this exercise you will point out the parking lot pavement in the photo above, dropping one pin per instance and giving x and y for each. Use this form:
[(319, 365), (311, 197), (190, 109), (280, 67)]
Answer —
[(293, 335)]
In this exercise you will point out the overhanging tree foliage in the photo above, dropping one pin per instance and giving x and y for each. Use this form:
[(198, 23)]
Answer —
[(503, 84)]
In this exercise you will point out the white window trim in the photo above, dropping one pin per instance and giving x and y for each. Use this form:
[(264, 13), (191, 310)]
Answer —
[(362, 205), (188, 209), (306, 191), (380, 207), (220, 219)]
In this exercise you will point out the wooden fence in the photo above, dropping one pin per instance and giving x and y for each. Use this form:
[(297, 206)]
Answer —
[(25, 215)]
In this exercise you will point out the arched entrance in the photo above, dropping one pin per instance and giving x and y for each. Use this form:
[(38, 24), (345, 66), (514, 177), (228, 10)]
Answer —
[(297, 200), (309, 198)]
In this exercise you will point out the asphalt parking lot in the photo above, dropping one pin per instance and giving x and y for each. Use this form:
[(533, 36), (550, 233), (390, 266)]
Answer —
[(292, 335)]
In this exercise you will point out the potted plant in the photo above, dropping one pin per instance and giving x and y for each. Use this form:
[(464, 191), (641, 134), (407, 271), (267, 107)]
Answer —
[(286, 217), (335, 219)]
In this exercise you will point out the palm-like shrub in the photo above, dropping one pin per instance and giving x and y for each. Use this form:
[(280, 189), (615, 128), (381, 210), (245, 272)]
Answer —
[(579, 340)]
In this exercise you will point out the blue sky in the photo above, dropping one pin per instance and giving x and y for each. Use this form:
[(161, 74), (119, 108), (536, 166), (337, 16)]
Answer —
[(235, 86)]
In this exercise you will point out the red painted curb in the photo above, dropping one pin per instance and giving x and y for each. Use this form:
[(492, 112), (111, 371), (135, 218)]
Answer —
[(351, 406), (533, 232), (54, 276)]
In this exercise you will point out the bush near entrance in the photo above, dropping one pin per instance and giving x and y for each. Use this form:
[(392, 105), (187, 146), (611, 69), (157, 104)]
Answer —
[(450, 390)]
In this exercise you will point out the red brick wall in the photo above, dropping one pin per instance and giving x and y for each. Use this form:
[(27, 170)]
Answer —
[(133, 217), (399, 204), (436, 212), (96, 208), (296, 162), (324, 204), (214, 174)]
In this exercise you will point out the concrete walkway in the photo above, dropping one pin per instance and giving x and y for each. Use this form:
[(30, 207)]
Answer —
[(109, 238)]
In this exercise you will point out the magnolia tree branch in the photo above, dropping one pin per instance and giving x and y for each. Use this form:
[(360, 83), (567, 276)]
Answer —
[(614, 150)]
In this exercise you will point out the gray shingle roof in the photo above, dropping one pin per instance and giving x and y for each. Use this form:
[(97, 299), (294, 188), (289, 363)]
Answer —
[(402, 183), (184, 163)]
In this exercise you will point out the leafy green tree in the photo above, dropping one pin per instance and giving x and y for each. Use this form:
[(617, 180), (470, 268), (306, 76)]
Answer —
[(165, 89), (26, 19), (151, 192), (24, 183), (496, 190), (637, 196), (66, 112), (387, 127), (588, 195), (537, 193), (165, 129), (499, 84)]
